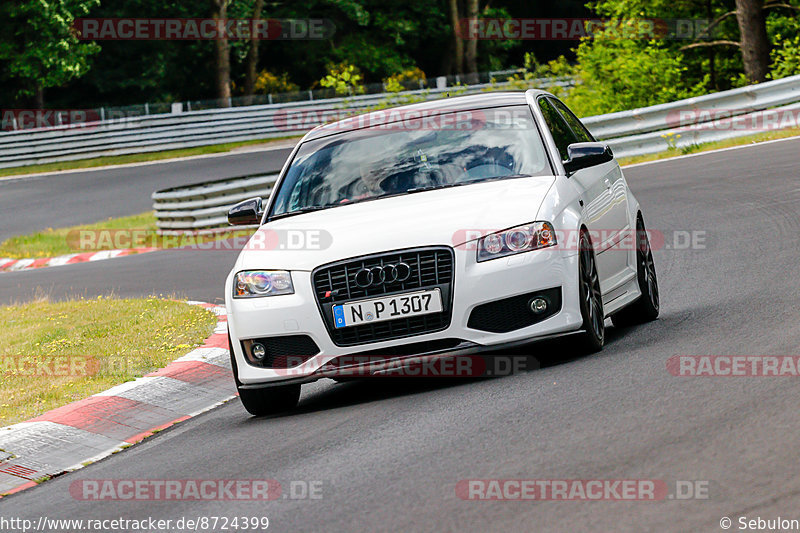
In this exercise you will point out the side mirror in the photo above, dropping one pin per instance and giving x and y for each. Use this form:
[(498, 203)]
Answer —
[(585, 155), (246, 213)]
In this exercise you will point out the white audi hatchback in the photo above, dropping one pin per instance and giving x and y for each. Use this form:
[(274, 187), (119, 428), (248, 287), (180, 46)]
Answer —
[(442, 228)]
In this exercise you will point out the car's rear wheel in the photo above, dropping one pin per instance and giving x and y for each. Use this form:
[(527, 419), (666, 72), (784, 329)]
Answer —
[(268, 401), (646, 307), (593, 335)]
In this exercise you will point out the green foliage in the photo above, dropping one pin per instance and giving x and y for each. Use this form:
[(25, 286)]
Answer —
[(530, 76), (37, 47), (786, 52), (786, 58), (404, 80), (344, 79), (493, 54), (707, 69), (618, 74), (619, 9), (383, 37), (376, 40), (267, 83)]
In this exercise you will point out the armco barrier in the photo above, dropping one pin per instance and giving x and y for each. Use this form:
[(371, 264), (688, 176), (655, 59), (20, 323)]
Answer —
[(624, 130), (686, 135), (196, 128), (647, 130), (664, 116), (205, 205)]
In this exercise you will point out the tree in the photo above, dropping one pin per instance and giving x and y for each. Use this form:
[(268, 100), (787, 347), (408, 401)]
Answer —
[(252, 55), (753, 42), (455, 18), (471, 55), (222, 53), (38, 49)]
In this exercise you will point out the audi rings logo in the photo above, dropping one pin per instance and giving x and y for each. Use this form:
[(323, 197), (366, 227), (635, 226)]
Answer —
[(382, 275)]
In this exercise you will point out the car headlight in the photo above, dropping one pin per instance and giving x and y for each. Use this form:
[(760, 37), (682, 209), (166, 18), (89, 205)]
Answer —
[(516, 240), (257, 283)]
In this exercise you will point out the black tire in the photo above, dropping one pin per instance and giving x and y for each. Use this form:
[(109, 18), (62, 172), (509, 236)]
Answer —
[(271, 400), (268, 401), (591, 300), (646, 307)]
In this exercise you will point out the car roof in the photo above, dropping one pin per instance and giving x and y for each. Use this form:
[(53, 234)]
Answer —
[(431, 107)]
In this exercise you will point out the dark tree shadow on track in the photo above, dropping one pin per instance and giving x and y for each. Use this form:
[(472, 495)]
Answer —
[(536, 355)]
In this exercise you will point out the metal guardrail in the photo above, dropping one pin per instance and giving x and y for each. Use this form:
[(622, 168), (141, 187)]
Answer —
[(200, 128), (497, 77), (640, 131), (663, 116), (686, 136), (205, 205)]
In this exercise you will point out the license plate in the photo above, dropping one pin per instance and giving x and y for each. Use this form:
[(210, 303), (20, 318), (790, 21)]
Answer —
[(387, 308)]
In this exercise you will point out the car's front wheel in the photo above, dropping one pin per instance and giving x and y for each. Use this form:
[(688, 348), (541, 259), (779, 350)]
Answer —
[(268, 401), (646, 307), (593, 335)]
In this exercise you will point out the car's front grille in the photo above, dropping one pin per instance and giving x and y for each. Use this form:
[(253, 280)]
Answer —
[(430, 268)]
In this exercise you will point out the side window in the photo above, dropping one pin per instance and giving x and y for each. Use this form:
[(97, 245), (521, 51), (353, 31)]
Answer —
[(577, 127), (562, 134)]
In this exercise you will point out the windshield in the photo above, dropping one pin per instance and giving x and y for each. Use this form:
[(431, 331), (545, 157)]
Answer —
[(412, 154)]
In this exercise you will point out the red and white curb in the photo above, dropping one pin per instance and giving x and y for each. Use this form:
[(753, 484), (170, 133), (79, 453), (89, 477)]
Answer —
[(15, 265), (85, 431)]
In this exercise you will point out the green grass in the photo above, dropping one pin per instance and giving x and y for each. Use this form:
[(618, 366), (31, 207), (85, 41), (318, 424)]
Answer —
[(89, 346), (716, 145), (53, 242), (136, 158), (135, 231)]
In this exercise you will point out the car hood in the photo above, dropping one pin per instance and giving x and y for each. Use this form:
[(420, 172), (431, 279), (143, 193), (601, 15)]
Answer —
[(437, 217)]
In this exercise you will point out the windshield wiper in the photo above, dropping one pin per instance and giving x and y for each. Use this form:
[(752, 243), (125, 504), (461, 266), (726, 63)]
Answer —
[(302, 210), (434, 187), (460, 183)]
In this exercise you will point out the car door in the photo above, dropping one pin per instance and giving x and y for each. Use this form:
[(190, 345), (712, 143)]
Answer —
[(603, 193)]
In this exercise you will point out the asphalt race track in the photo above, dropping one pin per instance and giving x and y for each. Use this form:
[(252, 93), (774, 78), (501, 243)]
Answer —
[(389, 453), (29, 204)]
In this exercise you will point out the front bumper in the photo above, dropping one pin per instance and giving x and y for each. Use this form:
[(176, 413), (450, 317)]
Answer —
[(474, 284)]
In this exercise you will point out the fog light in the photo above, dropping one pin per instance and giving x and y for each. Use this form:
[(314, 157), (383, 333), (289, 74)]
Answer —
[(258, 351), (538, 305)]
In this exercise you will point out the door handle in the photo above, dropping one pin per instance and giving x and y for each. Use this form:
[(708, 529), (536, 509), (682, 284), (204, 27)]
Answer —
[(608, 183)]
